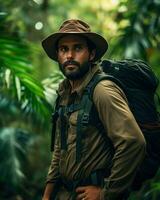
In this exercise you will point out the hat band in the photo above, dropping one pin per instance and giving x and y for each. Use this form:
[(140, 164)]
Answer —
[(73, 28)]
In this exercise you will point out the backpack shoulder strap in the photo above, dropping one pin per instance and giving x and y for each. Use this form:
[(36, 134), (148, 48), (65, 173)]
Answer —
[(103, 76), (84, 114), (86, 106), (54, 120)]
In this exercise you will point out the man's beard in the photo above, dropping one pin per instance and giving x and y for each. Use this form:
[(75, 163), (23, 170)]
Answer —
[(81, 70)]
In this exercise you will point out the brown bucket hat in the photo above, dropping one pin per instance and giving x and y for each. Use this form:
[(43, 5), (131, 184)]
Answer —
[(78, 27)]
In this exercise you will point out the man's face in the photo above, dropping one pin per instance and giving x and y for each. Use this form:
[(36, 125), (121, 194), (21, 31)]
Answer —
[(74, 56)]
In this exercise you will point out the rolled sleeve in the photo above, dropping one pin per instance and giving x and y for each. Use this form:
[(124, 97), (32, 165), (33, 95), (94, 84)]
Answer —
[(125, 134)]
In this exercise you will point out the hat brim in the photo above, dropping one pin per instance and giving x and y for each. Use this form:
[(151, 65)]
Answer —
[(49, 43)]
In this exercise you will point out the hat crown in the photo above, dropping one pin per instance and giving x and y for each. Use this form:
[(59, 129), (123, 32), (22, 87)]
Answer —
[(74, 26)]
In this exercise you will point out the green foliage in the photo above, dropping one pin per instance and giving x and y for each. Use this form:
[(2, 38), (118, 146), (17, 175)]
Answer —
[(22, 104), (149, 191), (51, 85), (17, 79), (141, 34), (13, 146)]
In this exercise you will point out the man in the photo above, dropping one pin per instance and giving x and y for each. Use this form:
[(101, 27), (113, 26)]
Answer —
[(101, 162)]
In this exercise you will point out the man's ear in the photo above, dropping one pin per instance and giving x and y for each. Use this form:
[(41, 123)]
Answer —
[(92, 54)]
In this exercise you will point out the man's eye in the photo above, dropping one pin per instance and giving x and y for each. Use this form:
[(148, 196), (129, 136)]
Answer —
[(78, 48), (62, 49)]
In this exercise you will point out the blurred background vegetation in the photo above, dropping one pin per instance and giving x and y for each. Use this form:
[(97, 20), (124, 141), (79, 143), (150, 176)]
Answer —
[(28, 79)]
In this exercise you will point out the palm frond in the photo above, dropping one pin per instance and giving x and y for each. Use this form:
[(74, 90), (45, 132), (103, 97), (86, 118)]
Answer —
[(13, 152), (17, 79)]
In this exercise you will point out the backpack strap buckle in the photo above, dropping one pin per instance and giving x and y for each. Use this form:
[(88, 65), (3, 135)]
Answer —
[(85, 118), (72, 108)]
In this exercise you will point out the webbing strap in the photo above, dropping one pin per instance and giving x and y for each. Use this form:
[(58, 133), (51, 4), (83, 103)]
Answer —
[(82, 122), (63, 130), (72, 108), (61, 112), (64, 112), (94, 178), (79, 136), (102, 76), (83, 114), (54, 120), (53, 133)]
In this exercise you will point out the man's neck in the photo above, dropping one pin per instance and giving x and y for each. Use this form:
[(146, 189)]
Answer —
[(75, 84)]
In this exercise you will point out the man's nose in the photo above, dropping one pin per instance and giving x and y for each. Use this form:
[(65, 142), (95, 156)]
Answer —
[(70, 55)]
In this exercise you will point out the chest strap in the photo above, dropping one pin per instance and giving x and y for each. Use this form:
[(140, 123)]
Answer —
[(63, 127), (82, 122)]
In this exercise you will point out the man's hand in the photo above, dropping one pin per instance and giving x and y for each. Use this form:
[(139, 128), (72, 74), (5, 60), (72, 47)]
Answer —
[(88, 193)]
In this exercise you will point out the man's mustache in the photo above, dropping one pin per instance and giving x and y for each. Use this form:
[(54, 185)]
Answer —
[(70, 62)]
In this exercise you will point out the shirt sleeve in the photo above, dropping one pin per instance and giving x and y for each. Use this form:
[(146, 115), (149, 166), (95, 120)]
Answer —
[(125, 134), (53, 172)]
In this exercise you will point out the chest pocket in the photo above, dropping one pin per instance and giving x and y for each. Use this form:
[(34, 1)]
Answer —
[(67, 117), (73, 118)]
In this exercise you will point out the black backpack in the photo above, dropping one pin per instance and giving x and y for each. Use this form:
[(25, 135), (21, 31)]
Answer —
[(139, 84)]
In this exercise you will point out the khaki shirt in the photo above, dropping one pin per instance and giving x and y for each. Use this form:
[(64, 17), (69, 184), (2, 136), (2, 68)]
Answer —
[(97, 153)]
